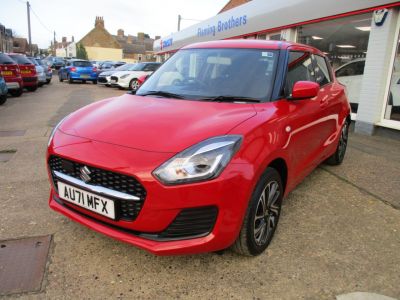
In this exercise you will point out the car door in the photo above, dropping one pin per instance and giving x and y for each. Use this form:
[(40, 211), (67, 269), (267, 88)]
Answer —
[(350, 76), (304, 124)]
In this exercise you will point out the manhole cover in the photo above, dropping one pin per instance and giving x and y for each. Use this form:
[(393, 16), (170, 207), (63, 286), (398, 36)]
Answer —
[(12, 133), (22, 264), (5, 155)]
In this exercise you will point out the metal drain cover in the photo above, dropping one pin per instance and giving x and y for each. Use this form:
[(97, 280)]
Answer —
[(22, 264)]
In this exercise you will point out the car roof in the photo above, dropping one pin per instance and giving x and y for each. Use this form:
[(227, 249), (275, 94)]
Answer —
[(253, 44)]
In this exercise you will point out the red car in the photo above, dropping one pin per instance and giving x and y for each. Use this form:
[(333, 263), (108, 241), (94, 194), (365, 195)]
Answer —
[(200, 158), (28, 71), (12, 75)]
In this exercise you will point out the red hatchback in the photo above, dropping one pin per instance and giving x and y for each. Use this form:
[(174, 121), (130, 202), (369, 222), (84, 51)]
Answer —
[(28, 71), (200, 158), (12, 75)]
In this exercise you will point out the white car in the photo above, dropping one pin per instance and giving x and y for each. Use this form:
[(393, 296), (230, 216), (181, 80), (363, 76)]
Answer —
[(105, 77), (129, 79), (351, 75), (42, 79)]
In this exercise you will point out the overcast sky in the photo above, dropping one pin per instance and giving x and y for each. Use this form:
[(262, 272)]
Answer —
[(76, 17)]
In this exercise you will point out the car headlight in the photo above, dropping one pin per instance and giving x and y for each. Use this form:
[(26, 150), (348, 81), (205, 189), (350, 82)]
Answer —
[(203, 161), (124, 76), (54, 130)]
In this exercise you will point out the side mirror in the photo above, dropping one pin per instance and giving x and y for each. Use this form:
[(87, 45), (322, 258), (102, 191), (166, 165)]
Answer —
[(304, 90)]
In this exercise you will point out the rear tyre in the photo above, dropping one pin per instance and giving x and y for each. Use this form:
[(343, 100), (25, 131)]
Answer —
[(262, 215), (32, 88), (60, 78), (16, 93), (94, 81), (83, 81), (337, 157), (3, 99), (49, 80), (70, 80)]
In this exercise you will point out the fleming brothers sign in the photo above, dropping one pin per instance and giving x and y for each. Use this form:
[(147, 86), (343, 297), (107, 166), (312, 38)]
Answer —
[(222, 26)]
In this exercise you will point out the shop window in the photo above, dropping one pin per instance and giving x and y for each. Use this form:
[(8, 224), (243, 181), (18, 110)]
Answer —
[(345, 42), (392, 111)]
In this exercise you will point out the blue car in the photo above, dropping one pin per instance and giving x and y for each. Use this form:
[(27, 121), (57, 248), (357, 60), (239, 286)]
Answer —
[(3, 91), (78, 70)]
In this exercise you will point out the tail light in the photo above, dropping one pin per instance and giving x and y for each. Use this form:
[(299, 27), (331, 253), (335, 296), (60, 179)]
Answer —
[(49, 69), (94, 69), (73, 69)]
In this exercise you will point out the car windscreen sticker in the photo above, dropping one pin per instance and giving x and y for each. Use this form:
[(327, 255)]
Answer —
[(267, 54)]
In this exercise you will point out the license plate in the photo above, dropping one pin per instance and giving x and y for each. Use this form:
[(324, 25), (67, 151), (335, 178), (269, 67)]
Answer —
[(87, 200), (113, 81), (25, 72), (6, 73), (84, 76)]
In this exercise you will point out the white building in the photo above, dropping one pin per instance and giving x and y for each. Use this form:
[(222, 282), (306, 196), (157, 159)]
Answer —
[(66, 49), (360, 37)]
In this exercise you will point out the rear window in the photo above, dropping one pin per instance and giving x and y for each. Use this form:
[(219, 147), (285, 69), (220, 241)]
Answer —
[(20, 59), (5, 60), (82, 64), (33, 61)]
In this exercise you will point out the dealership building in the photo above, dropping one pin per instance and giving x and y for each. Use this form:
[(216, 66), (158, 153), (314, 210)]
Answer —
[(360, 37)]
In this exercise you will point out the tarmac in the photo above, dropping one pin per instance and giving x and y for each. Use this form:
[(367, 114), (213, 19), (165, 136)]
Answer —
[(339, 232)]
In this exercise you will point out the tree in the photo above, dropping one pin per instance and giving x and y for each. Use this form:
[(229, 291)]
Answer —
[(81, 51)]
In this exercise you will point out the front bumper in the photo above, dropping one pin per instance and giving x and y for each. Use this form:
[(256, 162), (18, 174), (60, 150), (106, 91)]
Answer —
[(104, 80), (123, 82), (229, 193)]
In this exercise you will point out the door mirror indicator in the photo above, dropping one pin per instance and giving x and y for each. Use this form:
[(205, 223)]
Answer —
[(304, 90)]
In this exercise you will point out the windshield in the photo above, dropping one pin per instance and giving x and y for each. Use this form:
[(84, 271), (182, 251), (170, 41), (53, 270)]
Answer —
[(20, 59), (198, 74), (82, 63), (125, 67)]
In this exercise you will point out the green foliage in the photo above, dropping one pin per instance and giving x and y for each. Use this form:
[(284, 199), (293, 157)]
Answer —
[(81, 51)]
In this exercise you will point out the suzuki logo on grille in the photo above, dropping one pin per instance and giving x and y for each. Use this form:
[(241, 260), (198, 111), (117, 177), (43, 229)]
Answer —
[(85, 174)]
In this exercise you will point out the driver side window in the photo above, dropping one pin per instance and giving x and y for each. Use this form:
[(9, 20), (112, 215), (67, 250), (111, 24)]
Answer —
[(300, 68)]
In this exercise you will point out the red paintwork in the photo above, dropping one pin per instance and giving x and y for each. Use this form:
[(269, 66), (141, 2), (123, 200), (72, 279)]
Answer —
[(305, 89), (15, 73), (134, 135), (27, 72)]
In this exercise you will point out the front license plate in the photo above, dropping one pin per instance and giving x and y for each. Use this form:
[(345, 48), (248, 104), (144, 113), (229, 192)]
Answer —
[(112, 81), (84, 76), (87, 200), (6, 73)]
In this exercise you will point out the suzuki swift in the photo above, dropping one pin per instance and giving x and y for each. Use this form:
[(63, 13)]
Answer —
[(201, 156)]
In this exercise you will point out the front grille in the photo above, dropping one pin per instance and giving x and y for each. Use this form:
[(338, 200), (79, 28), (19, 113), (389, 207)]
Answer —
[(29, 79), (102, 79), (114, 78), (190, 223), (126, 209)]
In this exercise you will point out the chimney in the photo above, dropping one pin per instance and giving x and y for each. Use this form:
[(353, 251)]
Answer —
[(120, 33), (99, 22), (129, 39), (157, 37), (72, 39), (140, 36), (64, 39)]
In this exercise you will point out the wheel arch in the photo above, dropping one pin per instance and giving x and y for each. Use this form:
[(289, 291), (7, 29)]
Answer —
[(279, 164)]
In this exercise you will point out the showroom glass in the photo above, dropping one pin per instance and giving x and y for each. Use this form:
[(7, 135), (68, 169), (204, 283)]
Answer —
[(343, 40), (206, 73), (300, 68), (392, 111)]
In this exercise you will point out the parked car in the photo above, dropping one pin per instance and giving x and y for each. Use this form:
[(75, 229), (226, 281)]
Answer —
[(78, 69), (3, 90), (28, 71), (110, 65), (105, 76), (129, 79), (203, 163), (39, 71), (351, 75), (9, 70), (47, 69), (57, 62)]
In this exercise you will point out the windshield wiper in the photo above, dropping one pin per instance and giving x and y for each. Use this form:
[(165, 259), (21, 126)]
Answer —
[(231, 99), (162, 94)]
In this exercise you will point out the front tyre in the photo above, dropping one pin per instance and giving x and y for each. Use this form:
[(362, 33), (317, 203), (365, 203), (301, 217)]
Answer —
[(262, 215), (3, 99), (134, 85), (337, 157)]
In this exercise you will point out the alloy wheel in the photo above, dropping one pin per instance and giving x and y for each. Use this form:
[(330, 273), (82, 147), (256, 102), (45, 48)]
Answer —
[(343, 141), (267, 213), (134, 85)]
